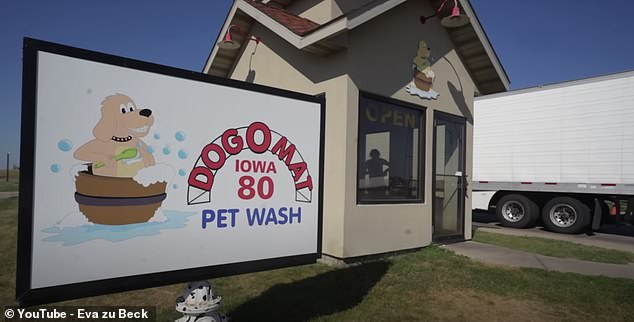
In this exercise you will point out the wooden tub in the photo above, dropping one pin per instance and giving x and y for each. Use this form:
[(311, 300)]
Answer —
[(117, 201)]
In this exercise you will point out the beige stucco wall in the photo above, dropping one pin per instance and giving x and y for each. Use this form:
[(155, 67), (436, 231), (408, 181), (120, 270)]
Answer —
[(378, 60), (322, 11), (319, 11)]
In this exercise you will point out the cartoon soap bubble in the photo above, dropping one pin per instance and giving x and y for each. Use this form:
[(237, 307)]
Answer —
[(55, 168), (65, 145), (182, 153)]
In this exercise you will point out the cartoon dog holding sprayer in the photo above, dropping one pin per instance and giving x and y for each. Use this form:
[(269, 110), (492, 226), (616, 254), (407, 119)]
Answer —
[(117, 150)]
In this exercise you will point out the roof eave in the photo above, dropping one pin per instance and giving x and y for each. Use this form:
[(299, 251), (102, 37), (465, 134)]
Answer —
[(316, 41), (484, 39), (223, 30)]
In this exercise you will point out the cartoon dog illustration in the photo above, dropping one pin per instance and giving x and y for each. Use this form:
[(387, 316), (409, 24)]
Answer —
[(423, 77), (117, 150)]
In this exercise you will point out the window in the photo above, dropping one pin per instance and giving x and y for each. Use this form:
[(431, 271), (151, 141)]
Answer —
[(389, 151)]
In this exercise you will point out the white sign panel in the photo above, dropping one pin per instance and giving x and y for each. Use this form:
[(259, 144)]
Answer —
[(138, 171)]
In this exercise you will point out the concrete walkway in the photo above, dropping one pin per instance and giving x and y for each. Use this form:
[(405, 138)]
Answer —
[(503, 256), (10, 194), (610, 241)]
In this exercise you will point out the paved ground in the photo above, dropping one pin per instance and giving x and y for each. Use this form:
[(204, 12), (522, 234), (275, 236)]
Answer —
[(611, 241), (491, 220), (503, 256)]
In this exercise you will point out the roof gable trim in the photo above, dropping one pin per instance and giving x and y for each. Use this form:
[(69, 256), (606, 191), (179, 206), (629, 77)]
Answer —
[(343, 23), (466, 6)]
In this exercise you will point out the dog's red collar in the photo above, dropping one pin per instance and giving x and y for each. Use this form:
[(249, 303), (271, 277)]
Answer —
[(125, 139)]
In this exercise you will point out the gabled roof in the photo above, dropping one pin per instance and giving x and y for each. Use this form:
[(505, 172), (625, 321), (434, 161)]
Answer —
[(300, 26), (470, 41)]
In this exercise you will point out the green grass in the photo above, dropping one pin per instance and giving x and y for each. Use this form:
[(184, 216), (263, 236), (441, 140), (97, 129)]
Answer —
[(12, 184), (555, 248), (8, 237), (429, 285)]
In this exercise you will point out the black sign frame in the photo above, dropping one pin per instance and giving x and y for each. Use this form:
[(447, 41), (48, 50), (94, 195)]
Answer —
[(25, 294)]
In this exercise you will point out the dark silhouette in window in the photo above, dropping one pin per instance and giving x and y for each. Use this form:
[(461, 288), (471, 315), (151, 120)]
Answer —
[(374, 166)]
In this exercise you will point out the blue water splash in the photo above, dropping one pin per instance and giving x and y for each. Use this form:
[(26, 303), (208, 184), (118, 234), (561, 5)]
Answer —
[(180, 136), (157, 136), (175, 186), (182, 153), (65, 145), (70, 236), (56, 167), (150, 149), (167, 150), (182, 172), (139, 144)]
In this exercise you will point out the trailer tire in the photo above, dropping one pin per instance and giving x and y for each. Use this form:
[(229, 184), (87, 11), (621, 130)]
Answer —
[(516, 211), (566, 215)]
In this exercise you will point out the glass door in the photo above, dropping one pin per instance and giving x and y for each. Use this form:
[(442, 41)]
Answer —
[(449, 177)]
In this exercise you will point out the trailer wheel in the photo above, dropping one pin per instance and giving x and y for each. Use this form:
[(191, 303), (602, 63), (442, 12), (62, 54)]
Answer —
[(566, 215), (516, 211)]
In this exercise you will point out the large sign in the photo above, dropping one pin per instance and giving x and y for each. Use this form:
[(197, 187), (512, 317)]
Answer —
[(136, 175)]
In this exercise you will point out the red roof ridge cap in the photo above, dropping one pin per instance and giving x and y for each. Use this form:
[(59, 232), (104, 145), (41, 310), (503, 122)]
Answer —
[(298, 25)]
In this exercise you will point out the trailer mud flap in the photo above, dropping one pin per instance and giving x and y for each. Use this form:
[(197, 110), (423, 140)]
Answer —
[(596, 219)]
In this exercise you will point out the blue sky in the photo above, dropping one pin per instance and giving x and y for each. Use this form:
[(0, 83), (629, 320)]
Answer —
[(538, 42)]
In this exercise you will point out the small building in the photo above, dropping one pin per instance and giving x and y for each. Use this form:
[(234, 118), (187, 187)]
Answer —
[(399, 107)]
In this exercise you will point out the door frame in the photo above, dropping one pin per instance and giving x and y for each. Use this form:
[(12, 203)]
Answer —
[(463, 182)]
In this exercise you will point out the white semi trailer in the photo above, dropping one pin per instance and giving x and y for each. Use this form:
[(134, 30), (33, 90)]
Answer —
[(557, 152)]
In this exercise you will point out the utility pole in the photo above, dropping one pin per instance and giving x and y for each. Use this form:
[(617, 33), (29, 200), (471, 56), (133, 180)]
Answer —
[(8, 154)]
